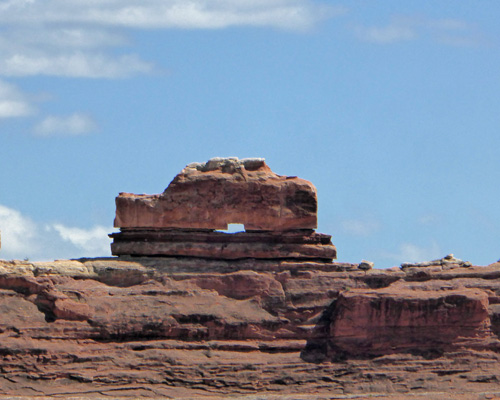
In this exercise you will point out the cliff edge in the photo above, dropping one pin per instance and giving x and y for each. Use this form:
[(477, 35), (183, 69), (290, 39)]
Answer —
[(171, 328), (187, 311)]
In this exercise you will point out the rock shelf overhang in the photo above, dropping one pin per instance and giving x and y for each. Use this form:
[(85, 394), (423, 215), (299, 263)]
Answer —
[(279, 214)]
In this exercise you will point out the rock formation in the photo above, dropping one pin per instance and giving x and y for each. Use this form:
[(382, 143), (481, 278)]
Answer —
[(223, 191), (186, 312), (173, 328), (279, 214)]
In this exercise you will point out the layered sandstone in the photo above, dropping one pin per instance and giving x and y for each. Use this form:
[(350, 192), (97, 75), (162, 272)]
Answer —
[(188, 312), (298, 245), (224, 191), (279, 214), (364, 323), (191, 328)]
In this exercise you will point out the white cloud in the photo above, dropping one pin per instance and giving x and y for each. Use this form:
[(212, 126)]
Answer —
[(87, 39), (18, 232), (75, 64), (67, 38), (61, 38), (410, 252), (13, 103), (197, 14), (358, 227), (24, 238), (387, 34), (72, 125), (94, 241), (447, 31)]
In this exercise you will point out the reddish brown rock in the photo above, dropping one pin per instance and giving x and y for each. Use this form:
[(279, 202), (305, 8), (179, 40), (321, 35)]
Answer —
[(221, 192), (278, 212), (380, 322), (171, 327), (298, 245)]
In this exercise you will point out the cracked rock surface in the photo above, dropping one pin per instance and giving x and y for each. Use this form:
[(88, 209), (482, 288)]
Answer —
[(192, 328)]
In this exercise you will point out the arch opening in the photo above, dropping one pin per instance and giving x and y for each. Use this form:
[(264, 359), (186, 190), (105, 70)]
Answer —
[(233, 228)]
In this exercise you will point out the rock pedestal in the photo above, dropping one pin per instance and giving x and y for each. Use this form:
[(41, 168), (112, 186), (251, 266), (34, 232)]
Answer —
[(299, 245), (279, 214)]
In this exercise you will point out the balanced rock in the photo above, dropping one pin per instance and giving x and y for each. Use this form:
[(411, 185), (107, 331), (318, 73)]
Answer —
[(224, 191), (279, 214)]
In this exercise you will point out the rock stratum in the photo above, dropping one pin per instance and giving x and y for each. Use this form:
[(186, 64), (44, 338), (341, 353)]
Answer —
[(279, 215), (187, 312), (192, 328), (224, 191)]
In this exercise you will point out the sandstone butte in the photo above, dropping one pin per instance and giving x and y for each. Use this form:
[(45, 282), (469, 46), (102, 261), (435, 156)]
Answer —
[(234, 327)]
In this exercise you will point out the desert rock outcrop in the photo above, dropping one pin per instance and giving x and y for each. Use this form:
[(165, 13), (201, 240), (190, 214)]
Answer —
[(188, 312), (224, 191), (175, 328), (279, 214)]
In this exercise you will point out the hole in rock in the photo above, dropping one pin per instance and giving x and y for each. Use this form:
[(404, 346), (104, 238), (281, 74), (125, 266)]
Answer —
[(233, 228)]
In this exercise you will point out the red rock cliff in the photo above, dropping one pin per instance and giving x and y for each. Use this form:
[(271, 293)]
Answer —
[(184, 328)]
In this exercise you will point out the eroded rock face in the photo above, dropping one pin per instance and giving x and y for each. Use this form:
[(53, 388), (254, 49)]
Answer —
[(380, 322), (279, 214), (298, 245), (181, 328), (220, 192)]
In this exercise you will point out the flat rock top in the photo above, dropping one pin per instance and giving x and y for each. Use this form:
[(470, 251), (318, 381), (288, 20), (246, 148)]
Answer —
[(224, 191)]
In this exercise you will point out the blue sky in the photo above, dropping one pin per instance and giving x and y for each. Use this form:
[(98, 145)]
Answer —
[(392, 109)]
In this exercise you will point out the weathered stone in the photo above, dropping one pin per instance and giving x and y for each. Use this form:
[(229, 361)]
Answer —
[(447, 262), (164, 327), (220, 192), (366, 265), (278, 213), (298, 245), (364, 323)]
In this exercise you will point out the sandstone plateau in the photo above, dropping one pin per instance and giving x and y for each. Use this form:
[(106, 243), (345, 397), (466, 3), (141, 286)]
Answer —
[(186, 312), (183, 328)]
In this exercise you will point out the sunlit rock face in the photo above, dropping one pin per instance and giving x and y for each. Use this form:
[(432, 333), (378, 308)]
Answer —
[(279, 214), (184, 328), (224, 191), (376, 322)]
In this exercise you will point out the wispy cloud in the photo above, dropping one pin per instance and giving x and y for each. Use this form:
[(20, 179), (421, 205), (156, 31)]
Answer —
[(453, 32), (72, 125), (88, 39), (18, 232), (73, 64), (410, 252), (360, 227), (13, 103), (198, 14), (23, 237), (430, 220), (69, 38), (394, 32), (92, 241)]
